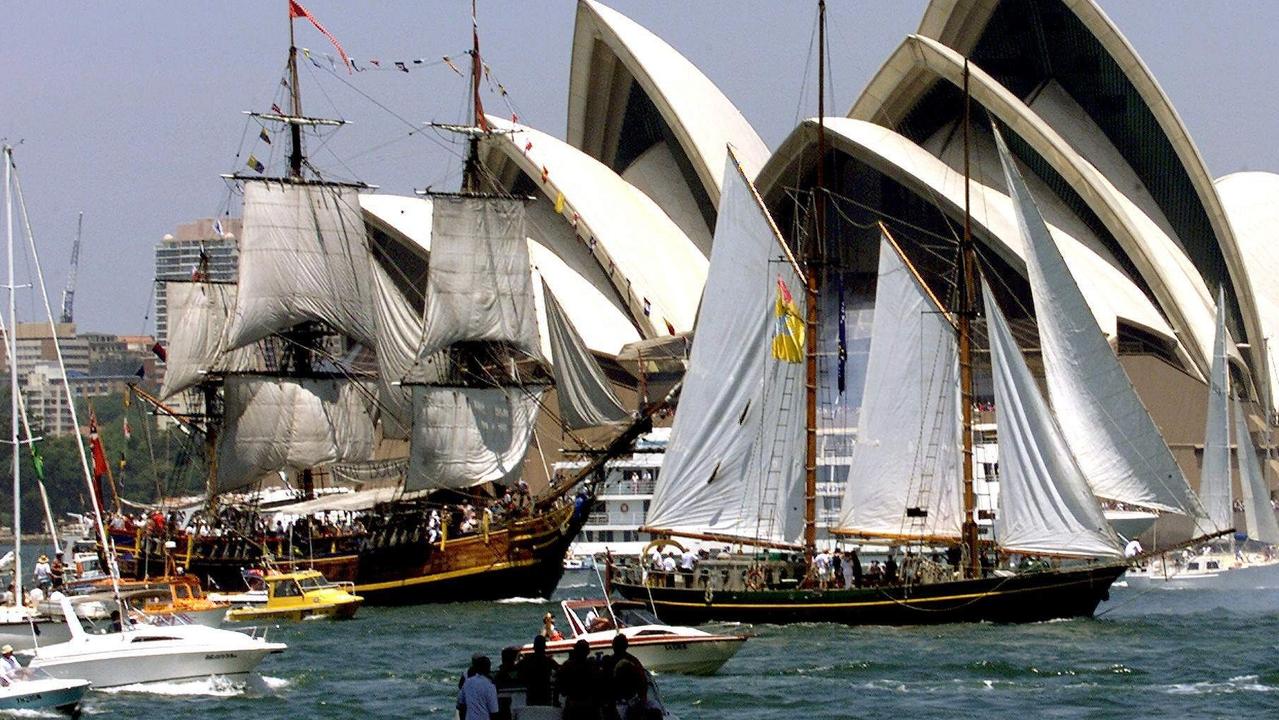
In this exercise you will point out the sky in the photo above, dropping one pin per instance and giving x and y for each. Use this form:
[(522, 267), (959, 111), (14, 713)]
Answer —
[(131, 111)]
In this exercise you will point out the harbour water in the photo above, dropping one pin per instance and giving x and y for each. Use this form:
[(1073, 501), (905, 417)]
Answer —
[(1149, 654)]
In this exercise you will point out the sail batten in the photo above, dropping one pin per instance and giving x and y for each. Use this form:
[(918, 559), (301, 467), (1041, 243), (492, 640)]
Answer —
[(735, 459), (908, 456), (464, 436), (1111, 434), (1259, 515), (303, 258), (586, 399), (1045, 505), (274, 425)]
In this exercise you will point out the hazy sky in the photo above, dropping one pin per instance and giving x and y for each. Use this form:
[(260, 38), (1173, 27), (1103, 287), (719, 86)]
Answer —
[(129, 111)]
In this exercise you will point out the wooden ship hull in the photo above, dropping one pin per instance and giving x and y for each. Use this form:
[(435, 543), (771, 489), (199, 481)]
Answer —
[(1022, 598), (397, 566)]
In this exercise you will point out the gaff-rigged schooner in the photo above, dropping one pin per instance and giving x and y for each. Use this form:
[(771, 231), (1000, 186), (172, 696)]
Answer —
[(735, 474), (459, 375)]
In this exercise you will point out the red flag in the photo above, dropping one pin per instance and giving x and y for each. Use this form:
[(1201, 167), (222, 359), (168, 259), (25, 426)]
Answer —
[(95, 448), (670, 328), (160, 352), (296, 11), (477, 67)]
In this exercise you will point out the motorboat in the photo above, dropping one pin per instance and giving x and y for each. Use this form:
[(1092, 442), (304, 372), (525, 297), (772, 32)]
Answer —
[(299, 596), (660, 648), (1211, 570), (161, 599), (143, 653), (33, 689)]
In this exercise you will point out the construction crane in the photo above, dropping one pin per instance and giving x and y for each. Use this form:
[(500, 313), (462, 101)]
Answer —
[(68, 293)]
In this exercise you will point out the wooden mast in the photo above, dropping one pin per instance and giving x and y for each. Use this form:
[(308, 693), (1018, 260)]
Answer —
[(471, 172), (813, 269), (967, 310), (295, 95)]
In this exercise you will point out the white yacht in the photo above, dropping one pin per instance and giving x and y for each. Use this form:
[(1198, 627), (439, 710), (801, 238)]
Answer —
[(36, 690)]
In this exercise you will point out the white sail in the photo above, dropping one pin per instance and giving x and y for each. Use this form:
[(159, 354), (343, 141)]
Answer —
[(478, 283), (586, 399), (1045, 505), (286, 425), (736, 452), (399, 328), (303, 257), (1214, 473), (197, 317), (908, 452), (1258, 513), (1110, 432), (467, 436)]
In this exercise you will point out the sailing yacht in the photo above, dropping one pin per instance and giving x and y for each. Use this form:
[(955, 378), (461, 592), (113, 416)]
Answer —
[(742, 459), (1227, 564), (459, 378)]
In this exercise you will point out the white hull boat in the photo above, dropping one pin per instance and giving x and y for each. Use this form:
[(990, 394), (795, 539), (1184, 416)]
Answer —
[(148, 653), (1207, 572), (41, 692)]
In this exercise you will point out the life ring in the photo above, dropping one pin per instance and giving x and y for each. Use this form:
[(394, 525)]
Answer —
[(660, 543), (624, 507)]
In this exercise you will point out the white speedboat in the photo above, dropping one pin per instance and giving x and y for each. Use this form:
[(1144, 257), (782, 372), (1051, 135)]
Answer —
[(149, 653), (660, 648), (36, 690), (1208, 571)]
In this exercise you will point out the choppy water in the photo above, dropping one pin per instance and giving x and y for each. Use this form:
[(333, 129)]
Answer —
[(1151, 654)]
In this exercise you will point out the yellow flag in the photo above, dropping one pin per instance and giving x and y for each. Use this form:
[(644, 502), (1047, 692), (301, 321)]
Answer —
[(559, 203), (788, 333)]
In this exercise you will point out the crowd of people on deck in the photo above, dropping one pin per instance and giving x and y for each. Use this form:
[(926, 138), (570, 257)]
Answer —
[(585, 686)]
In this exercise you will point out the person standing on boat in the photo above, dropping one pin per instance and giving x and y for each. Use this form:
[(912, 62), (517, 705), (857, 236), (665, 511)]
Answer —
[(686, 563), (1133, 548), (576, 683), (477, 699), (43, 573), (56, 572)]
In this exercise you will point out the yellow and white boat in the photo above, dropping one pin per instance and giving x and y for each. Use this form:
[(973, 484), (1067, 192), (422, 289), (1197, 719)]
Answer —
[(301, 595)]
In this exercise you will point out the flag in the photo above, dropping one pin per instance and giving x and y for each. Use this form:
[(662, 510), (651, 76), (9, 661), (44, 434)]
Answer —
[(255, 163), (217, 224), (284, 82), (546, 174), (670, 328), (141, 372), (843, 338), (401, 66), (559, 203), (477, 66), (375, 62), (160, 352), (448, 61), (128, 431), (95, 448), (37, 461), (275, 108), (296, 11), (788, 334), (265, 137), (528, 145), (123, 464), (648, 307)]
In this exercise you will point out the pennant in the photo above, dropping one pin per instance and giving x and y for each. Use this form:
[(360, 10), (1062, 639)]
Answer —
[(401, 66), (502, 90), (255, 163), (528, 145), (95, 447), (332, 63), (375, 62), (123, 463), (296, 11), (315, 62), (160, 352), (559, 203), (788, 335), (591, 243), (574, 220), (546, 174), (842, 359), (37, 461), (265, 137), (418, 61), (477, 63), (275, 108), (306, 53), (670, 328), (648, 308), (284, 82), (128, 431), (452, 67), (355, 67), (127, 401), (515, 118), (141, 372), (217, 225)]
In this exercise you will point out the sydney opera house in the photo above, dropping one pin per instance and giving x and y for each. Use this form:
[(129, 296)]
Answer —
[(627, 198)]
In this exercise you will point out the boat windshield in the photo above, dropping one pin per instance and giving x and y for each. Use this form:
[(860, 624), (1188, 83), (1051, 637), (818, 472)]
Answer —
[(630, 617), (314, 583)]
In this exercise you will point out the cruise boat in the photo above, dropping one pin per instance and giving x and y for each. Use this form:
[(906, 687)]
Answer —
[(301, 595), (661, 648)]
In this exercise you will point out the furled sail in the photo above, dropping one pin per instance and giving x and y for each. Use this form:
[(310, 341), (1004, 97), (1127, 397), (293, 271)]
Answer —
[(586, 399), (303, 257), (197, 316), (478, 284), (464, 436), (399, 327), (736, 452), (1045, 505), (1110, 432), (1214, 473), (1258, 513), (276, 424), (904, 478)]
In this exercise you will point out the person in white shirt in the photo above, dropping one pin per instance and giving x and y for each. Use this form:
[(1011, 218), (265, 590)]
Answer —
[(668, 569), (686, 563), (43, 573), (10, 668), (477, 698), (1133, 548), (822, 564)]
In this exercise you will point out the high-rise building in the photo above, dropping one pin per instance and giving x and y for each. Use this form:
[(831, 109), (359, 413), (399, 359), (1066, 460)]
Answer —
[(177, 257)]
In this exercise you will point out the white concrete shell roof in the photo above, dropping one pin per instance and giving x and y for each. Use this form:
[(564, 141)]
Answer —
[(1110, 294), (1251, 201), (635, 251), (602, 326), (1180, 290), (408, 219), (960, 24), (702, 119)]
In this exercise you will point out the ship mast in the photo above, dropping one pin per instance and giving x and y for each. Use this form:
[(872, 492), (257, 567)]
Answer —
[(479, 126), (967, 281), (813, 266), (295, 97)]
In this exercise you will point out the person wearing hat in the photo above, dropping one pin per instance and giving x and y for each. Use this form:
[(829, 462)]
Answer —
[(43, 573), (477, 698), (9, 665)]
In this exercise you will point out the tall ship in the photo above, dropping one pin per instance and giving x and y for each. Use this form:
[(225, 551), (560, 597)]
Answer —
[(741, 467), (369, 403)]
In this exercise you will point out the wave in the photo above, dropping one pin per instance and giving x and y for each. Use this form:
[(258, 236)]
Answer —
[(1241, 683), (522, 601), (214, 686)]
